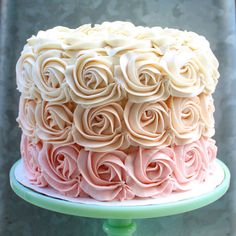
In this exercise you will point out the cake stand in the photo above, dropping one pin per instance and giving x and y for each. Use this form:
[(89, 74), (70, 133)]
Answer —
[(119, 219)]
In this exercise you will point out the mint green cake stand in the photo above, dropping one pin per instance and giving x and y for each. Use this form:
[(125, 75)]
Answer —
[(119, 221)]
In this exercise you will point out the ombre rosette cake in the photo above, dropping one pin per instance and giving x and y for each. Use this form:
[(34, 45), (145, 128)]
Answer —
[(117, 112)]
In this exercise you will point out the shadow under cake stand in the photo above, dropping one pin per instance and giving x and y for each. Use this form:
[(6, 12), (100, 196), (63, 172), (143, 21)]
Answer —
[(119, 218)]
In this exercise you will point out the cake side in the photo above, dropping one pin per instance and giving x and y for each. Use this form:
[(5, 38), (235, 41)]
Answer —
[(116, 111)]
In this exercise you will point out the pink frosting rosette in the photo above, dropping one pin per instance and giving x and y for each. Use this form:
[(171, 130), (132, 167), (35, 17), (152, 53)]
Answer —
[(26, 116), (100, 128), (54, 122), (192, 163), (150, 171), (148, 124), (104, 175), (92, 80), (49, 76), (211, 149), (30, 152), (59, 165), (185, 119)]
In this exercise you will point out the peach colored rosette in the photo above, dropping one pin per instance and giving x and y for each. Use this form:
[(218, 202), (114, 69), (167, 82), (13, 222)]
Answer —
[(116, 112)]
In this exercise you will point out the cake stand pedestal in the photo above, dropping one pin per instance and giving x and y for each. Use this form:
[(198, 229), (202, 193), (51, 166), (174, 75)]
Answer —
[(119, 219)]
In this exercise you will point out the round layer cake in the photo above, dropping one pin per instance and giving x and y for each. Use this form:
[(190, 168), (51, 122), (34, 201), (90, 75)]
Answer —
[(117, 112)]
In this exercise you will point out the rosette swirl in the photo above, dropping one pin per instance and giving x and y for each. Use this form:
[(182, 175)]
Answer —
[(118, 46), (92, 80), (187, 74), (59, 165), (143, 76), (29, 153), (26, 116), (50, 76), (185, 119), (211, 149), (207, 111), (192, 164), (104, 175), (148, 124), (100, 128), (25, 73), (54, 122), (150, 171)]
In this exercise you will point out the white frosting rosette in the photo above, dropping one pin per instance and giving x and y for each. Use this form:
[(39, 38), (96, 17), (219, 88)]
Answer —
[(66, 39), (187, 72), (210, 64), (92, 81), (117, 46), (143, 76), (148, 124), (118, 28), (50, 76), (24, 74)]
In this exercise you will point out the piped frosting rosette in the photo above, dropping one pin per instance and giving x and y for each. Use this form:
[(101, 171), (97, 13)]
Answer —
[(116, 112)]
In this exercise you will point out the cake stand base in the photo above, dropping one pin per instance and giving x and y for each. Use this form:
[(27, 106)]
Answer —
[(119, 219), (125, 227)]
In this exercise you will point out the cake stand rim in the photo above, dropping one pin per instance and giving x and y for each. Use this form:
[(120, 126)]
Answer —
[(119, 212)]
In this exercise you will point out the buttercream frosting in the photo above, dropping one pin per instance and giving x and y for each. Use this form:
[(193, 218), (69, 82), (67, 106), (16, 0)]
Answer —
[(30, 152), (100, 128), (116, 111), (59, 166), (183, 58), (148, 124), (116, 175)]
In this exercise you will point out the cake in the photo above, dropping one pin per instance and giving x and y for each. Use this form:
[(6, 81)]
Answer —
[(117, 112)]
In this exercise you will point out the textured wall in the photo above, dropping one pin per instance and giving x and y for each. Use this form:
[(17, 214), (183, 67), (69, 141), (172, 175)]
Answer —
[(21, 18)]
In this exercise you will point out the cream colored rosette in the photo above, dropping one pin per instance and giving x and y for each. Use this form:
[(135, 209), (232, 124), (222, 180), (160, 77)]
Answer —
[(49, 76), (24, 74), (54, 122), (143, 76), (26, 117), (207, 111), (92, 80), (148, 124), (189, 72), (185, 119), (100, 128)]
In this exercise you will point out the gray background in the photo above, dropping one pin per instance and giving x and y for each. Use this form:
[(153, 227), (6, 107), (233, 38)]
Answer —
[(20, 19)]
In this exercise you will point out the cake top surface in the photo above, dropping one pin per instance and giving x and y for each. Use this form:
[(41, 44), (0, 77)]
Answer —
[(118, 33)]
